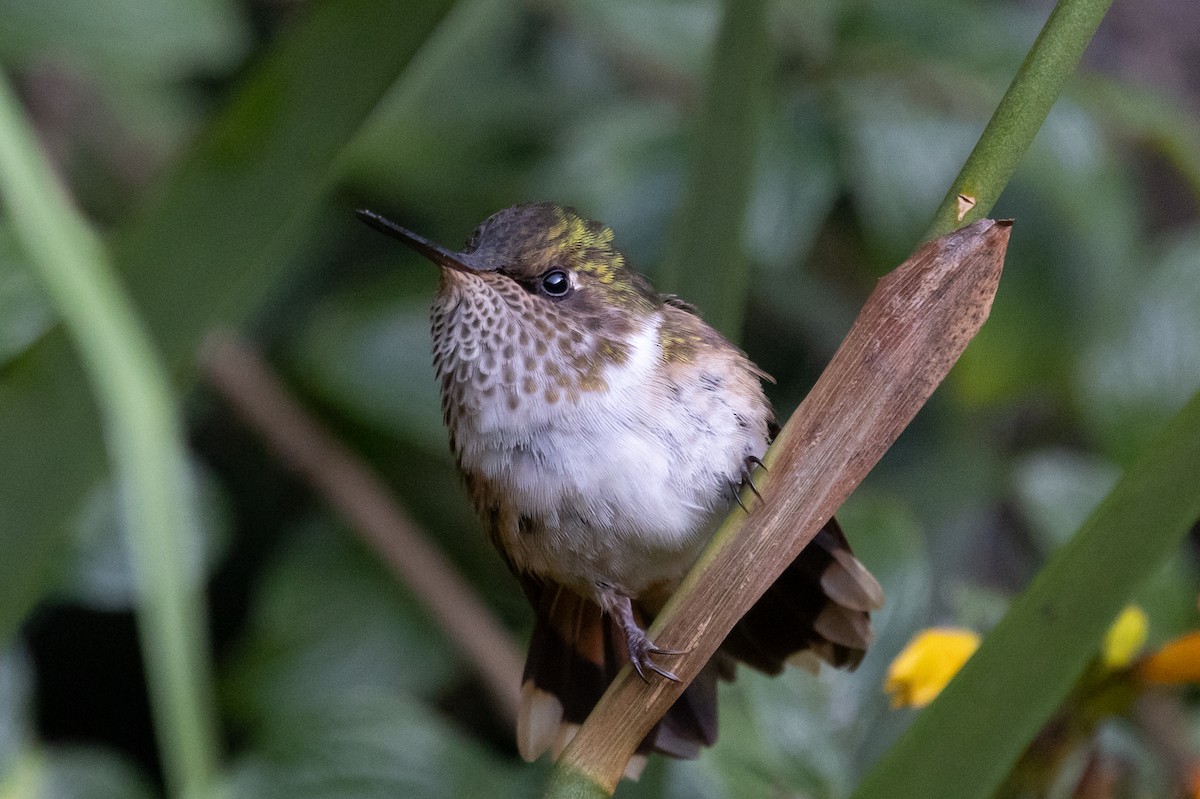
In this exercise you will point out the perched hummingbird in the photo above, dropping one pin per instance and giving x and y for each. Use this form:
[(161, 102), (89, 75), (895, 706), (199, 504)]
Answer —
[(603, 431)]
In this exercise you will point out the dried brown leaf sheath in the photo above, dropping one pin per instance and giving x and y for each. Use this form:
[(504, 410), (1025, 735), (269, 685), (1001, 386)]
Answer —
[(912, 329)]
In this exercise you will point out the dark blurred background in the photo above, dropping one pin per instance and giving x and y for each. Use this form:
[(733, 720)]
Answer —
[(332, 679)]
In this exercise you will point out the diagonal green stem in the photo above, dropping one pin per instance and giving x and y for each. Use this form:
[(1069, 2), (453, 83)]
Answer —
[(145, 443), (1020, 115), (963, 745)]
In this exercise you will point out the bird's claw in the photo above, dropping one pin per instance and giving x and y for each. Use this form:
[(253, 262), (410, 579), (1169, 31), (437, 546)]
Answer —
[(641, 649), (637, 644), (748, 473)]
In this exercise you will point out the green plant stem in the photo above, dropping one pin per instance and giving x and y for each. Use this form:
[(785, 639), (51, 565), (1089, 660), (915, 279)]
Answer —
[(1020, 114), (705, 255), (145, 443), (964, 744)]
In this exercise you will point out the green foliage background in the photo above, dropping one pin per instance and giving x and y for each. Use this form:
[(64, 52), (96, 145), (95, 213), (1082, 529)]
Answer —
[(220, 147)]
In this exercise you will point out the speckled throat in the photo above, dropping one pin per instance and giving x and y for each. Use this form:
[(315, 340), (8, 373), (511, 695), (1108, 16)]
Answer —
[(494, 346)]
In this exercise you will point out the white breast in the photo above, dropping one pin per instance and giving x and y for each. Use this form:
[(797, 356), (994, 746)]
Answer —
[(625, 484)]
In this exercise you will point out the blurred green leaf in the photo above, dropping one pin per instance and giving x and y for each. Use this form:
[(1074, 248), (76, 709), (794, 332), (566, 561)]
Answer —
[(775, 736), (16, 718), (707, 242), (589, 103), (368, 353), (657, 38), (1153, 115), (920, 38), (621, 163), (458, 132), (330, 627), (897, 156), (144, 441), (225, 221), (389, 747), (1144, 362), (24, 313), (102, 576), (965, 742), (1057, 491), (974, 606), (1169, 599), (888, 538), (328, 681), (795, 189), (29, 770), (148, 39), (78, 772)]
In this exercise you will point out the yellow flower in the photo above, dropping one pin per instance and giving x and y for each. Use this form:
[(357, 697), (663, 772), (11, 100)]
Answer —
[(931, 659), (1177, 662), (1124, 638)]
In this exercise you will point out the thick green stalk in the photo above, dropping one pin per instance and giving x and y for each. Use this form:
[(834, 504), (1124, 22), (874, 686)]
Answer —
[(144, 437), (1020, 115), (963, 745), (966, 742), (705, 262)]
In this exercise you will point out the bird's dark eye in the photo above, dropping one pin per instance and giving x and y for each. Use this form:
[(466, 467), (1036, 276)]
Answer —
[(556, 283)]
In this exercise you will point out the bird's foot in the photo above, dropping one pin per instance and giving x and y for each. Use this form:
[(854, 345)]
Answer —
[(641, 649)]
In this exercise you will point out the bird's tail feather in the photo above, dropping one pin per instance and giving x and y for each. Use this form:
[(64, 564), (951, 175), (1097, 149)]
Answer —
[(574, 654), (818, 607)]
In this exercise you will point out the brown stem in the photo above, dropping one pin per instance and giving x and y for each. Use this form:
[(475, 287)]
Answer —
[(241, 376), (910, 332)]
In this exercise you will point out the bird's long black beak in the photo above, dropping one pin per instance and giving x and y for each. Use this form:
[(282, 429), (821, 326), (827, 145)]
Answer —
[(434, 252)]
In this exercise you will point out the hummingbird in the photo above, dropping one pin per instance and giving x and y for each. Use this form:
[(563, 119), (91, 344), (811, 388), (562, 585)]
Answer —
[(603, 430)]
